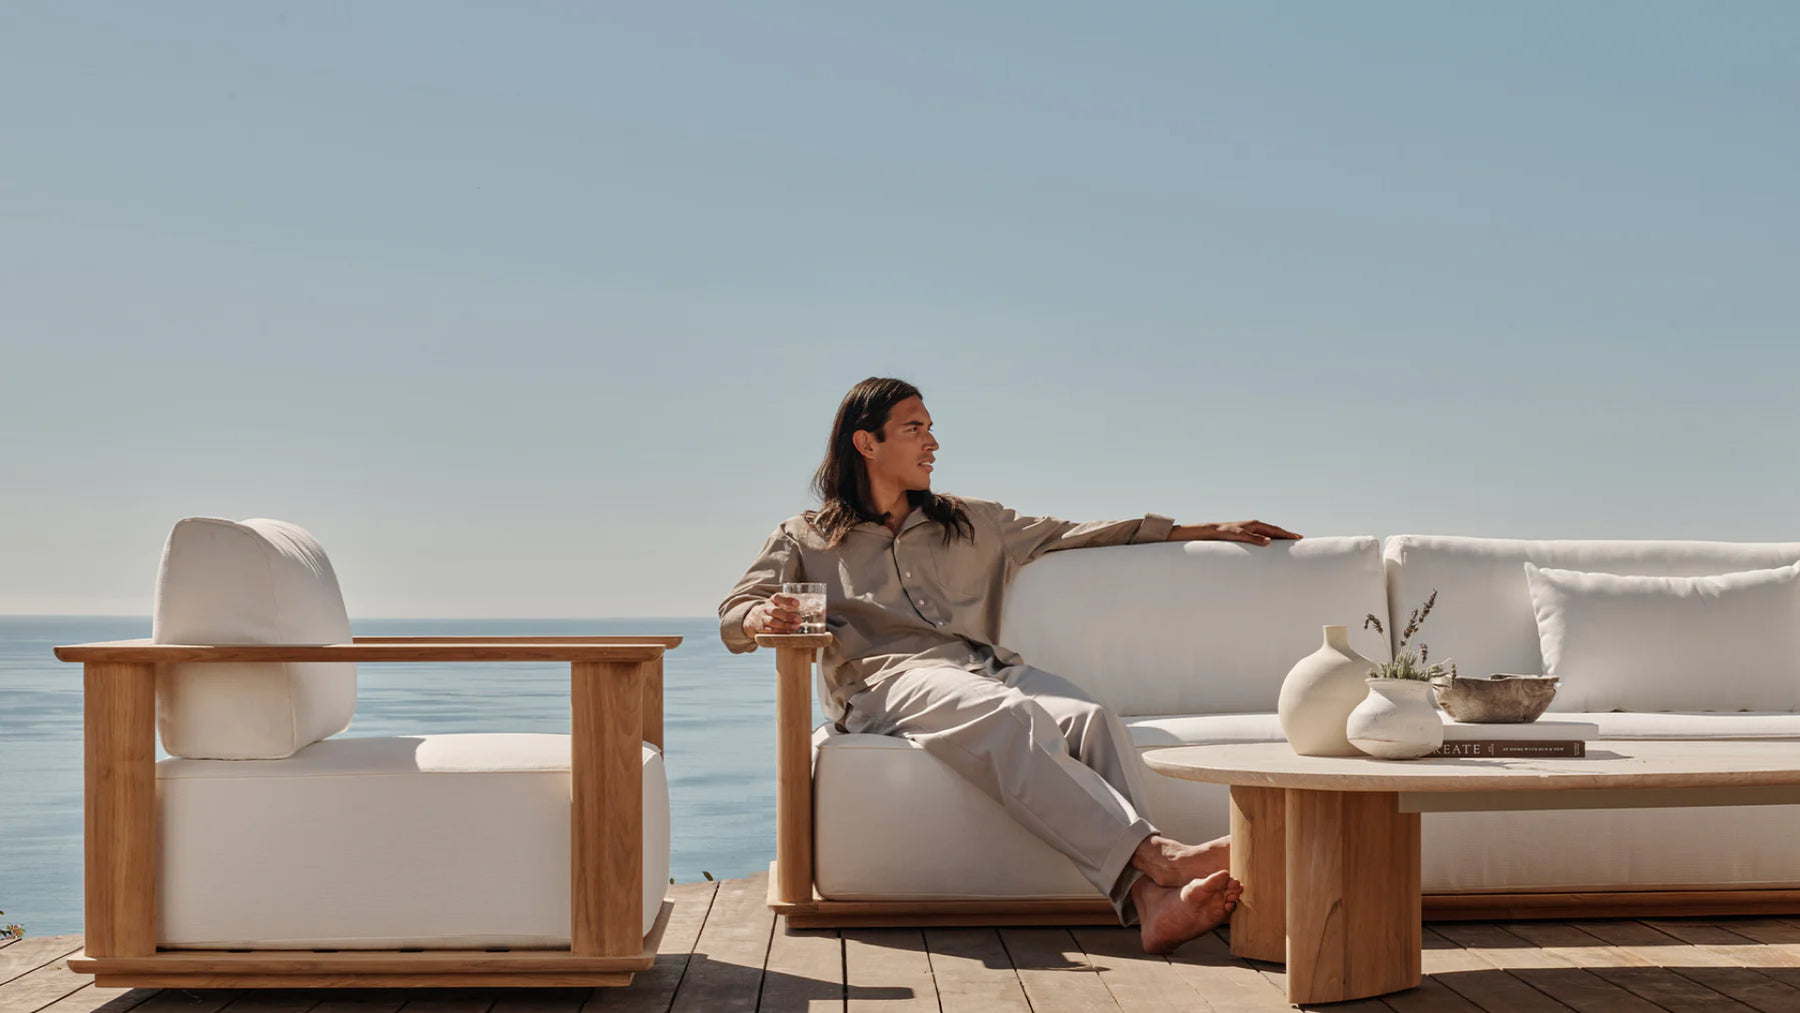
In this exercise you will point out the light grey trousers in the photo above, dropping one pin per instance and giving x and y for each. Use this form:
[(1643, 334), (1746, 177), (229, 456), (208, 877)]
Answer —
[(1055, 760)]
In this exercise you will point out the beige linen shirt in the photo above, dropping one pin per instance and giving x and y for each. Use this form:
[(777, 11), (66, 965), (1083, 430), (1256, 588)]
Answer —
[(901, 601)]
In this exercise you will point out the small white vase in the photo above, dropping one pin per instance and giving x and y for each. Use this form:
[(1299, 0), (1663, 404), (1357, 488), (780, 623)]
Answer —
[(1397, 720), (1318, 695)]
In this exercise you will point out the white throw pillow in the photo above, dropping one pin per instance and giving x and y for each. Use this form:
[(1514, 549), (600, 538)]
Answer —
[(1721, 643), (259, 582)]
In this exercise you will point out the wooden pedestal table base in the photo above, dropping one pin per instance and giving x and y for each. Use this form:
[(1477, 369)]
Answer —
[(1331, 889), (1328, 847)]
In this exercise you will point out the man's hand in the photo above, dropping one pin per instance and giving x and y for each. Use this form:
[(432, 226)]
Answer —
[(1254, 532), (780, 614)]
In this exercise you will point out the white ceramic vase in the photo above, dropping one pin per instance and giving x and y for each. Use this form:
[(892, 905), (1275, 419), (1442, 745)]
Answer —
[(1397, 720), (1318, 695)]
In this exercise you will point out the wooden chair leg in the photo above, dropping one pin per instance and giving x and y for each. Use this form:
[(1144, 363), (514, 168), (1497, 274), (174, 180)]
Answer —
[(606, 851), (119, 701)]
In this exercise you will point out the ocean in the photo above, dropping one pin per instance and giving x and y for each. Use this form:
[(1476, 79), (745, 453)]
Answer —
[(719, 731)]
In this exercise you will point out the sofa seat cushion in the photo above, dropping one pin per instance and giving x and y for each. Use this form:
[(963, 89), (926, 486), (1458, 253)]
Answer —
[(258, 582), (894, 823), (881, 802), (1203, 729), (434, 841), (1706, 848), (1692, 724)]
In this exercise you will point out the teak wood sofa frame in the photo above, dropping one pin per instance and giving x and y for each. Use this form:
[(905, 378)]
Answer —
[(791, 891), (616, 703)]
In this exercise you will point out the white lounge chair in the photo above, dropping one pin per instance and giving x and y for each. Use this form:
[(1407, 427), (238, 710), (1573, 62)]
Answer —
[(266, 852)]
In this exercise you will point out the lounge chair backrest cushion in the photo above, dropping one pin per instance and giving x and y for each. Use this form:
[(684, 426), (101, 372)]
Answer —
[(1484, 618), (255, 582), (1194, 628)]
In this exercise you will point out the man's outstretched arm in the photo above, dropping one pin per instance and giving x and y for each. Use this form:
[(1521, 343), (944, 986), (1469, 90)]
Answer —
[(1254, 532)]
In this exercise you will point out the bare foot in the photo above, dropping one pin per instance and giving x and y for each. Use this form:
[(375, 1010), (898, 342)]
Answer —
[(1170, 916), (1171, 863)]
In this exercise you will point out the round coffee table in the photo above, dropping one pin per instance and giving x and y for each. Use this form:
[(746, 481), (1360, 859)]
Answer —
[(1328, 847)]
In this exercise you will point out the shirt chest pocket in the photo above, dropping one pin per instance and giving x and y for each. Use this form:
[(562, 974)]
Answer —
[(960, 576)]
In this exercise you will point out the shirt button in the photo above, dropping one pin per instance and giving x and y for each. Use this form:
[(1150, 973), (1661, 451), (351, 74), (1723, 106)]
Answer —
[(921, 603), (909, 575)]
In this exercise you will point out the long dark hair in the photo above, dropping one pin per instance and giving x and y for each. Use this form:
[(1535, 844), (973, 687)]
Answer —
[(842, 481)]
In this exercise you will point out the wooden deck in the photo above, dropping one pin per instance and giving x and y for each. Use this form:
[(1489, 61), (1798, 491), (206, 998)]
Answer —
[(723, 951)]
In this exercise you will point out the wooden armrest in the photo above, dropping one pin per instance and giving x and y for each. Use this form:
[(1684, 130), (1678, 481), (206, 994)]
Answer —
[(143, 652), (663, 640)]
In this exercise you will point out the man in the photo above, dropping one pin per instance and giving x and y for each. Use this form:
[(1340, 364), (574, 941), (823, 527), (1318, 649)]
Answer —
[(915, 582)]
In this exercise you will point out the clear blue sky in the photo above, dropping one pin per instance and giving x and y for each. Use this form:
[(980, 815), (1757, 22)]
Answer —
[(543, 309)]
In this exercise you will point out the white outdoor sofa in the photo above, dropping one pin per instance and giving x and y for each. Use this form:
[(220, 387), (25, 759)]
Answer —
[(267, 851), (1190, 643)]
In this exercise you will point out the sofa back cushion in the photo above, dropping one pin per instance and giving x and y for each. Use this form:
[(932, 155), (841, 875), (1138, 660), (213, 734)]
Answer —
[(1720, 643), (256, 582), (1200, 627), (1484, 617)]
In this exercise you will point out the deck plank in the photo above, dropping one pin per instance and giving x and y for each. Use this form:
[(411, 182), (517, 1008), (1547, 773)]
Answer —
[(442, 1000), (804, 973), (1432, 996), (40, 987), (32, 952), (724, 950), (275, 1000), (973, 972), (1757, 959), (1747, 984), (726, 970), (1139, 982), (1667, 988), (1545, 969), (211, 1000), (93, 999), (1764, 930), (1736, 948), (1225, 982), (1478, 980), (517, 1000), (653, 991), (1056, 974), (888, 971)]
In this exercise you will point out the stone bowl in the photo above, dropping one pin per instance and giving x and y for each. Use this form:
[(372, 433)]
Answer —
[(1497, 699)]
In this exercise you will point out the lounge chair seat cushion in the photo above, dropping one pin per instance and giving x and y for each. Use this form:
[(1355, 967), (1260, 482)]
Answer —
[(433, 841)]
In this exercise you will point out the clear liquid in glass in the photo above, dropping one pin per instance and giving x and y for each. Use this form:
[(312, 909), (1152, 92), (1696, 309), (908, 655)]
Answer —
[(812, 612)]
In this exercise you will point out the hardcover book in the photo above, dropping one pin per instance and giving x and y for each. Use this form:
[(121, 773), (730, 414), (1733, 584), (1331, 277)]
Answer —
[(1541, 749)]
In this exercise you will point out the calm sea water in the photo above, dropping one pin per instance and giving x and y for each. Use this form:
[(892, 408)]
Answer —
[(719, 728)]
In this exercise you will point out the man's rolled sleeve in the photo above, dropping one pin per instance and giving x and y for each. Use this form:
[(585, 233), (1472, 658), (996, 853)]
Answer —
[(777, 564), (1153, 528)]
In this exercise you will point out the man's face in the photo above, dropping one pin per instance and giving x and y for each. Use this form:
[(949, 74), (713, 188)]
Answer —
[(906, 454)]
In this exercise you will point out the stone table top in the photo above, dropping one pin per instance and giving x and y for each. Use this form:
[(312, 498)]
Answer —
[(1609, 764)]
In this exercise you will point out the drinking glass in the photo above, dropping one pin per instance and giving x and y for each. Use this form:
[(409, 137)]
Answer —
[(812, 605)]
